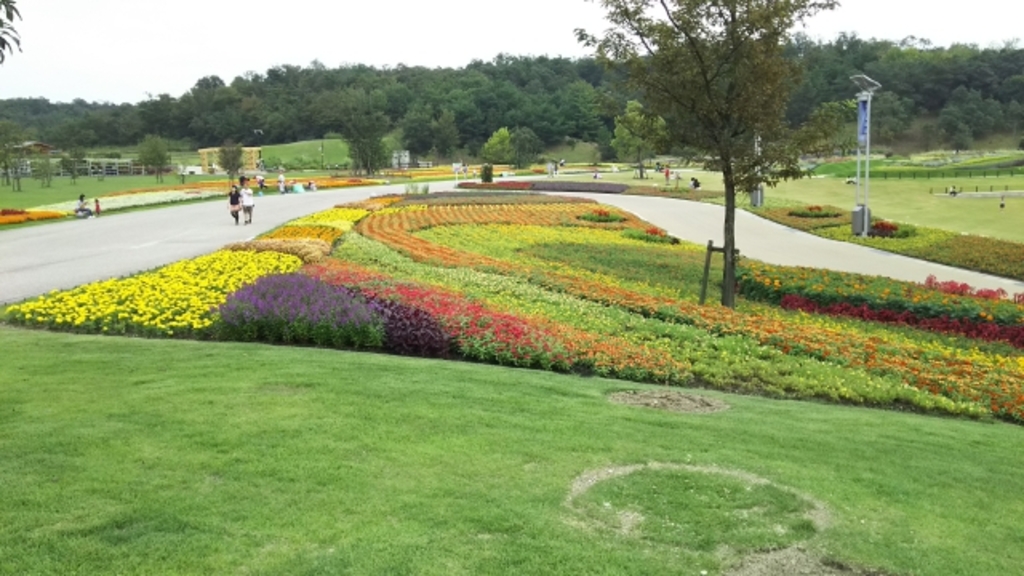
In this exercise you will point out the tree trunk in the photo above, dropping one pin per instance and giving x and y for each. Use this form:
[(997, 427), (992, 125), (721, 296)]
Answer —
[(640, 165), (729, 270)]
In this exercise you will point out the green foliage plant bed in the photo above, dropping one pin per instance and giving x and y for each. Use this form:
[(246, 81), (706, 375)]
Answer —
[(602, 215), (795, 219), (816, 212), (653, 234)]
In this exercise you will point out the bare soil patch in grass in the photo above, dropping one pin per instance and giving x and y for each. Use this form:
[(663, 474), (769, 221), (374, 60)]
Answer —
[(671, 400)]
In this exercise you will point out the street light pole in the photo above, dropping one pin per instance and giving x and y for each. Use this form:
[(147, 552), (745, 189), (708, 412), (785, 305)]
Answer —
[(868, 87)]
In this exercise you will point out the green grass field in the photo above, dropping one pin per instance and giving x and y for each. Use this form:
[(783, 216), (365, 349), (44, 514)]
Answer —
[(211, 458), (62, 189), (308, 153)]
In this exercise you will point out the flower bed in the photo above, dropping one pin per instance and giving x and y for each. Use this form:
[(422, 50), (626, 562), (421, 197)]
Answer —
[(955, 383), (174, 300), (816, 212), (328, 234), (1013, 335), (16, 216), (307, 250), (771, 284)]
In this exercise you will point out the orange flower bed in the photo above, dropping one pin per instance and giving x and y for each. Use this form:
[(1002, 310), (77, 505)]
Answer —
[(27, 216)]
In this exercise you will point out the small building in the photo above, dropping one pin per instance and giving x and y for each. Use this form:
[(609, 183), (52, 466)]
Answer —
[(34, 147)]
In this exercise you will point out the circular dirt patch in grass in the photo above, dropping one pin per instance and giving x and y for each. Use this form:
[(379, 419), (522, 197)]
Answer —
[(709, 518), (671, 400)]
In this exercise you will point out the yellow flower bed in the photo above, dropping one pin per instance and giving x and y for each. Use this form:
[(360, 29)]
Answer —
[(175, 299), (298, 232), (336, 217)]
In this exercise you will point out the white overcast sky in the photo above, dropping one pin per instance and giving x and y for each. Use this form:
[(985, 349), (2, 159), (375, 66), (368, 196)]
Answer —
[(120, 50)]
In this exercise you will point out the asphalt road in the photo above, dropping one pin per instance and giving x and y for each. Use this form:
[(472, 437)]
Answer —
[(37, 259)]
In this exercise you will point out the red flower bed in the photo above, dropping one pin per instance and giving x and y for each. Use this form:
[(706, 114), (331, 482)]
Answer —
[(965, 289), (1014, 335)]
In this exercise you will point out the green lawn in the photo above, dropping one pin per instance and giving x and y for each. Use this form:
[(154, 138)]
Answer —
[(307, 153), (62, 189), (200, 458)]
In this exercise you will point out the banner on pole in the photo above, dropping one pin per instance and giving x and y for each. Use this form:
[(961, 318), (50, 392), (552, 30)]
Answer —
[(862, 122)]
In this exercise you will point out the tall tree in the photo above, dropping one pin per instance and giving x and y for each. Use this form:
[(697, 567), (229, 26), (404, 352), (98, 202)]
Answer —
[(9, 38), (363, 124), (11, 138), (153, 154), (446, 133), (417, 133), (638, 134), (498, 148), (717, 71), (525, 146), (229, 156)]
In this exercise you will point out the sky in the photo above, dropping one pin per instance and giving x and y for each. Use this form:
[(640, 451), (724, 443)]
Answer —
[(125, 50)]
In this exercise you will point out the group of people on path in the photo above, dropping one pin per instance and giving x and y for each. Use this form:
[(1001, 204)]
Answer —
[(241, 199)]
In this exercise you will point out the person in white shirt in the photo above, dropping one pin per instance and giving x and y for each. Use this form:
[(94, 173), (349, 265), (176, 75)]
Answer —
[(280, 183), (248, 201)]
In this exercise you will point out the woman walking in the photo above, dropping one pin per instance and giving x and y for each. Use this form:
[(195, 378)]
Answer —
[(248, 201), (234, 203)]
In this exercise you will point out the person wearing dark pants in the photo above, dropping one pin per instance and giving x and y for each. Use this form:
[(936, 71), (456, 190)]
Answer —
[(234, 203)]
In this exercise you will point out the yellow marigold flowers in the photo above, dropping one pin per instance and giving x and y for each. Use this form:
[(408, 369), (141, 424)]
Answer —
[(337, 217), (176, 299), (326, 233)]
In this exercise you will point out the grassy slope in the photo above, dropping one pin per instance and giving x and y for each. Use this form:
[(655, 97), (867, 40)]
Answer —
[(335, 151), (209, 458)]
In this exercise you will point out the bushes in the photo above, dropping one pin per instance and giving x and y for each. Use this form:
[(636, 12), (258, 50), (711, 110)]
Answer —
[(410, 331), (487, 173)]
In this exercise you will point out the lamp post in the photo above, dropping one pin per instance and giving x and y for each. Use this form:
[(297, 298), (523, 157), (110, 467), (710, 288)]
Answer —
[(867, 88)]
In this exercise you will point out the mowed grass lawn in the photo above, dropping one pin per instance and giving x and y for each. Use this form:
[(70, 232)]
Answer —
[(139, 456)]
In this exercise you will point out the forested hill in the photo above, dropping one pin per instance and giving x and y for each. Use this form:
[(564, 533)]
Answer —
[(969, 91)]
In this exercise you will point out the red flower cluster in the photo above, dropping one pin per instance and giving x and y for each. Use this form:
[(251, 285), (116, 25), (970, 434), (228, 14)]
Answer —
[(965, 289), (655, 231)]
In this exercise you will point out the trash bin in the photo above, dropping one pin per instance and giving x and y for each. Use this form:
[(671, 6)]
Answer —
[(757, 197), (861, 216)]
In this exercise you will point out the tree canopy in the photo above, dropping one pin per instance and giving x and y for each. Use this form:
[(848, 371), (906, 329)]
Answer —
[(9, 38), (717, 72)]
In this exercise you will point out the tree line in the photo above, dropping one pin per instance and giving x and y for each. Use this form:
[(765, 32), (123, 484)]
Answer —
[(970, 91)]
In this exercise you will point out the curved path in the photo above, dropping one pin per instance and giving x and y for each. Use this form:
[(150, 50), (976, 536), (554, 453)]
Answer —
[(37, 259)]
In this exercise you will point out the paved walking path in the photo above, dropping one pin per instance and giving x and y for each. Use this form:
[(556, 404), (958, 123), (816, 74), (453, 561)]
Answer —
[(37, 259)]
